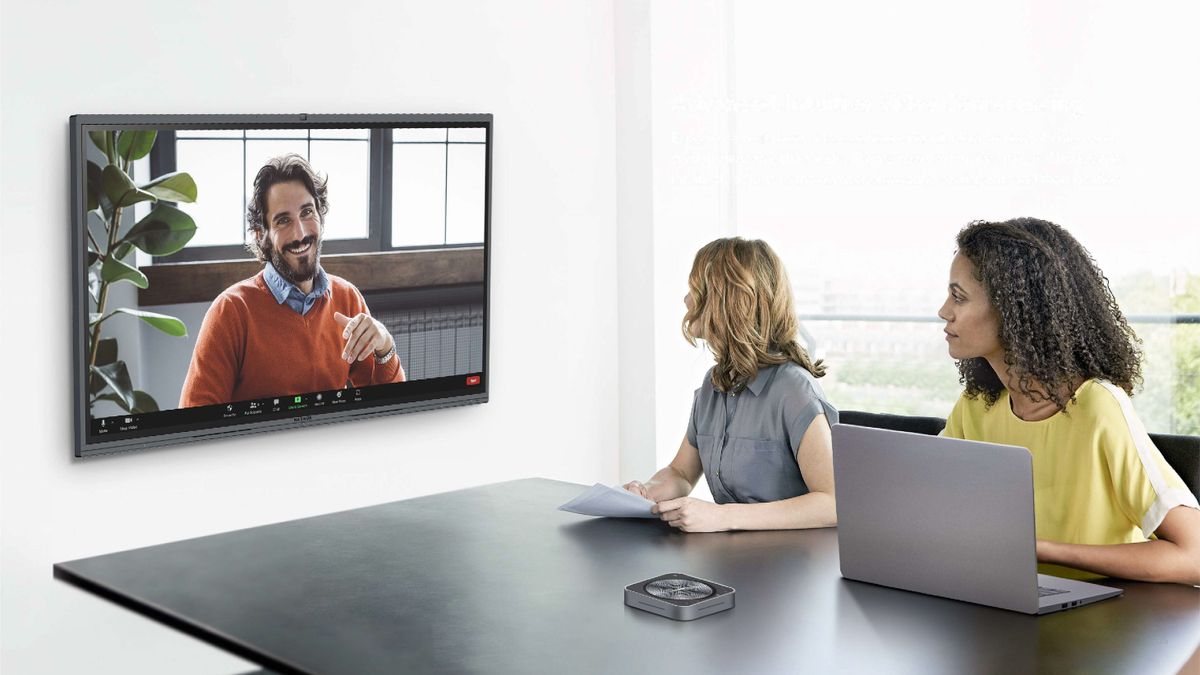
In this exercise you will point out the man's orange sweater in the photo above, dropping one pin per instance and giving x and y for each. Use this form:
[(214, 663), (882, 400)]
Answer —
[(251, 346)]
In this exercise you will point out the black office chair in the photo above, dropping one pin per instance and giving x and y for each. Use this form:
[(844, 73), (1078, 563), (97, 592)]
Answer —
[(918, 425), (1181, 452)]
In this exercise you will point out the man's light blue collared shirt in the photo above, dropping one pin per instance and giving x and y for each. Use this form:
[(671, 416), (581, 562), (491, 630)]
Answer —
[(285, 291)]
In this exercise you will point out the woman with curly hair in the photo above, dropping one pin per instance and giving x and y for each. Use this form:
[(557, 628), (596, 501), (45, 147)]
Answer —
[(1049, 363), (759, 428)]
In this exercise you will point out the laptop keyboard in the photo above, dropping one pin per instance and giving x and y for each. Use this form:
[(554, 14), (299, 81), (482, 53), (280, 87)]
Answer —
[(1043, 591)]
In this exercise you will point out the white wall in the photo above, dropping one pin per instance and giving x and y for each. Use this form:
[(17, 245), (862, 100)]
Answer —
[(635, 239), (545, 69), (691, 200)]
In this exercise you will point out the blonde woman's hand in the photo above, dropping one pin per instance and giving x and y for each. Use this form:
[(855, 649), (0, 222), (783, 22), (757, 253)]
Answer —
[(637, 488), (692, 515)]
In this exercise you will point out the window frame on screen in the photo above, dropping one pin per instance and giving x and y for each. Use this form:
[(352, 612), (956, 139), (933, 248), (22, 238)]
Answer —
[(379, 208)]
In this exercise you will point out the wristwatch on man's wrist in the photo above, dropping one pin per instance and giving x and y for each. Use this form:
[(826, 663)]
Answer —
[(380, 360)]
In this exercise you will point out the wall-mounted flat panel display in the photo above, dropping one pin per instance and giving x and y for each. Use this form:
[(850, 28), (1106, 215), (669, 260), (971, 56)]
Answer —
[(243, 273)]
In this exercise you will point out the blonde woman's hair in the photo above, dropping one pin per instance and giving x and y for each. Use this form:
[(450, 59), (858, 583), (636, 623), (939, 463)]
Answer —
[(743, 307)]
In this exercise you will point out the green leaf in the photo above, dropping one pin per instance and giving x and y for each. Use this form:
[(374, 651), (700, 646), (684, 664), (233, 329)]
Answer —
[(163, 231), (119, 188), (135, 144), (100, 139), (123, 248), (94, 284), (106, 353), (106, 208), (115, 183), (173, 187), (142, 402), (167, 324), (94, 174), (116, 375), (115, 270), (96, 384), (110, 397)]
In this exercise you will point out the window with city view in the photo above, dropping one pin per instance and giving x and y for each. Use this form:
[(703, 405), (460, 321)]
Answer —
[(860, 170), (862, 187), (886, 352)]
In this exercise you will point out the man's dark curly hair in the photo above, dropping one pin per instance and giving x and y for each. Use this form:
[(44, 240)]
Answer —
[(282, 169), (1059, 321)]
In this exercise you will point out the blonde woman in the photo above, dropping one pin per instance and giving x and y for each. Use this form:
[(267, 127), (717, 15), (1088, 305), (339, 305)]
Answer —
[(759, 428)]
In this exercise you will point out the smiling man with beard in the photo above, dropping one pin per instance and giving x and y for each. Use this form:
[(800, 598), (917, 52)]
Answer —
[(292, 327)]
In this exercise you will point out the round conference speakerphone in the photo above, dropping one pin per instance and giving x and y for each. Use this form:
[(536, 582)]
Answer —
[(679, 596)]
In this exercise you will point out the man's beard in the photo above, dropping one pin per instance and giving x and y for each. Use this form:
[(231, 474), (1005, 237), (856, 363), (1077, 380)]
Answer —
[(306, 267)]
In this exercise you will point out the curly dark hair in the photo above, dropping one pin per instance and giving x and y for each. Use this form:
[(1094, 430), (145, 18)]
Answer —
[(1059, 321), (282, 169)]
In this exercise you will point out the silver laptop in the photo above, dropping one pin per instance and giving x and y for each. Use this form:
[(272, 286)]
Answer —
[(945, 517)]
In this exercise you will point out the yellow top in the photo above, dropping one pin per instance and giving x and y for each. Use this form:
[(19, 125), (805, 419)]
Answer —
[(1097, 477)]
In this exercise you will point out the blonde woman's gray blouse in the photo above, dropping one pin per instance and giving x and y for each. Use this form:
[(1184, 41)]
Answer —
[(748, 439)]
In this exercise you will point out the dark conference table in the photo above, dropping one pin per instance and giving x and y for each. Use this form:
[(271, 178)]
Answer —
[(493, 579)]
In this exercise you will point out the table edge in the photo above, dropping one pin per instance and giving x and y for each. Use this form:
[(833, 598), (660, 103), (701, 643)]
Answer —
[(196, 630)]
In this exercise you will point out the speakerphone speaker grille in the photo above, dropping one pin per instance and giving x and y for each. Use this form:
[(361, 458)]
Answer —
[(678, 589)]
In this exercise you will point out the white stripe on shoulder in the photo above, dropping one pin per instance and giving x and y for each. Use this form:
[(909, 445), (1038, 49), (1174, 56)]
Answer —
[(1166, 498), (1164, 503)]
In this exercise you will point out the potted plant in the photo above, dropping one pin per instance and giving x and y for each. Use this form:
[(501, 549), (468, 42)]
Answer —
[(163, 231)]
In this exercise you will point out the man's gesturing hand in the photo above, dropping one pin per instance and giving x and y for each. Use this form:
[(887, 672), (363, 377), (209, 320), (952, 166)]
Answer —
[(363, 335)]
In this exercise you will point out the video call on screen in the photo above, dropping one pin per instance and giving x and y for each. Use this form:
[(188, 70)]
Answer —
[(403, 241)]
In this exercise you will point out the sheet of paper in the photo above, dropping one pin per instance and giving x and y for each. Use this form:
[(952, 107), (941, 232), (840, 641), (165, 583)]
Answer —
[(613, 502)]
